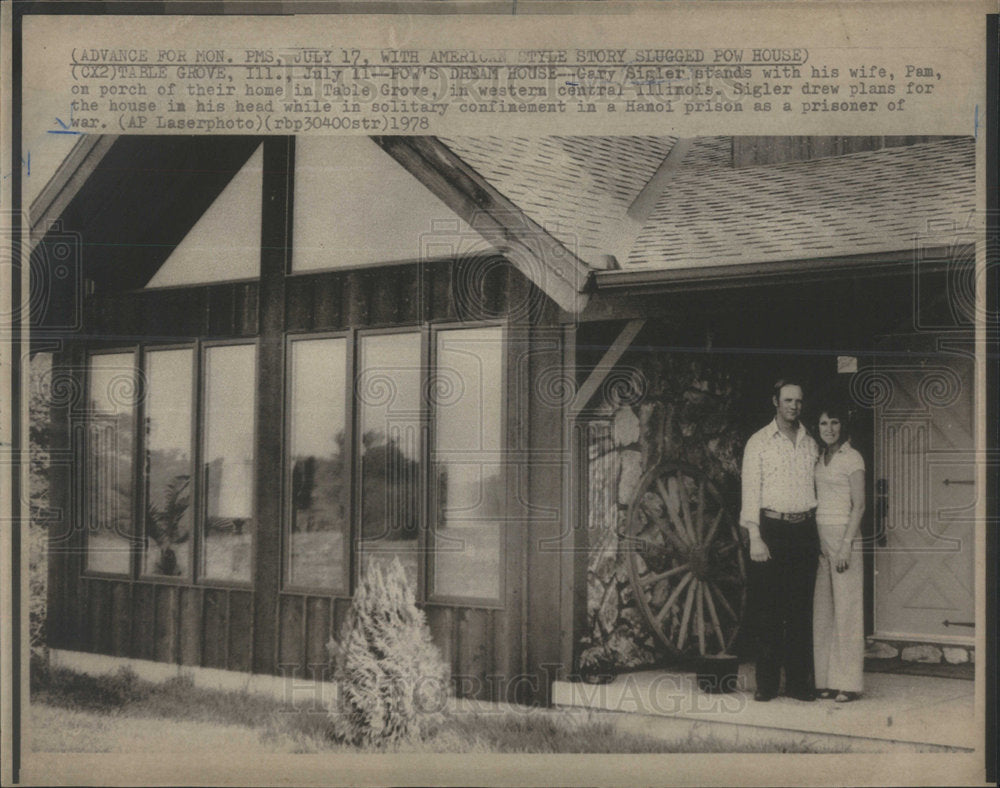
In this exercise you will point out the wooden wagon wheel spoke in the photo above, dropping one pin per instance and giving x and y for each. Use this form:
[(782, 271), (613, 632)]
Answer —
[(681, 540), (678, 484), (671, 502), (714, 616), (700, 525), (722, 599), (675, 538), (699, 617), (671, 599), (650, 579), (686, 618), (714, 526)]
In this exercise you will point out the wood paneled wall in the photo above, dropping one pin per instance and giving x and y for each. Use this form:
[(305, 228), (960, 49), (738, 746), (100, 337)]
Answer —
[(496, 653)]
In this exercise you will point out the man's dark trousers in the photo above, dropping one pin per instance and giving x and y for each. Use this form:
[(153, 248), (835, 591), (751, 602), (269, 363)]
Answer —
[(782, 600)]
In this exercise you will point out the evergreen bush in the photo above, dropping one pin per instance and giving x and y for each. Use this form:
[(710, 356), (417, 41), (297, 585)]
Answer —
[(391, 680)]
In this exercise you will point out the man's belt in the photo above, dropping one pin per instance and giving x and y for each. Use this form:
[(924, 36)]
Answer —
[(793, 517)]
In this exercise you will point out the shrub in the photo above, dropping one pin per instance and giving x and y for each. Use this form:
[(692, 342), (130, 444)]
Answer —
[(37, 584), (105, 692), (40, 440), (391, 679)]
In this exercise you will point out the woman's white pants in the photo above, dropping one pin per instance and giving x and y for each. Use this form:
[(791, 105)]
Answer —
[(838, 616)]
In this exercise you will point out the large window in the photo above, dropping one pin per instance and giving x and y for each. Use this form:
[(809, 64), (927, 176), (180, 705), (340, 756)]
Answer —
[(190, 526), (319, 479), (467, 394), (228, 462), (389, 448), (167, 474), (110, 447), (358, 457)]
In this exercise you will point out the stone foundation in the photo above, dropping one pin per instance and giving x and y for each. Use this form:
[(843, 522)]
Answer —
[(924, 653)]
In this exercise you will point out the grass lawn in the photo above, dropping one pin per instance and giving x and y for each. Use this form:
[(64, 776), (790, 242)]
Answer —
[(71, 712)]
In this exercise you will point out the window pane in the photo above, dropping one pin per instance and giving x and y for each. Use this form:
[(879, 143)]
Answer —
[(110, 440), (469, 480), (167, 476), (228, 462), (318, 480), (388, 394)]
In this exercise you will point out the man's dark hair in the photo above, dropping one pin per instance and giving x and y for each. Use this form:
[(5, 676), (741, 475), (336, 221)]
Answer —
[(791, 380), (835, 408)]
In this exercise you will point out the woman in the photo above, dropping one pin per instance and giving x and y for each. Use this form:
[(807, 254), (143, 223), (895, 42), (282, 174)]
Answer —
[(838, 614)]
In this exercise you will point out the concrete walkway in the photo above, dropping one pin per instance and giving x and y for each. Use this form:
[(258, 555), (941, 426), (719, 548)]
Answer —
[(928, 712)]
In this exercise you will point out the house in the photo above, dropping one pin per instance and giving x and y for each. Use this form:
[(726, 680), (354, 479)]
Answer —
[(279, 359)]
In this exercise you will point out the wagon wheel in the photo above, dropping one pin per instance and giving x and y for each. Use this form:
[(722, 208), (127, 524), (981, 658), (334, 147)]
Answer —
[(685, 563)]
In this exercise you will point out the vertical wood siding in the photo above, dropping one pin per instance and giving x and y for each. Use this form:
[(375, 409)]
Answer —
[(143, 621), (215, 628), (266, 629), (190, 626)]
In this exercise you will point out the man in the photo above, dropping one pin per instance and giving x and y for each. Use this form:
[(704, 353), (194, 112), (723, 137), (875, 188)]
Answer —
[(779, 502)]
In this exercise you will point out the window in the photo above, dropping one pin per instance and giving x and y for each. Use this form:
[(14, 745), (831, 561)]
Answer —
[(167, 473), (469, 485), (319, 479), (389, 448), (110, 441), (174, 502), (228, 462), (372, 439)]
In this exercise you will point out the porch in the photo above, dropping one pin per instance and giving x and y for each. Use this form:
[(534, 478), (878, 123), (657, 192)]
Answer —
[(897, 712)]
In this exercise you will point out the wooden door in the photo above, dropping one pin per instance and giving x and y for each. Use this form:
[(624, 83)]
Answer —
[(925, 494)]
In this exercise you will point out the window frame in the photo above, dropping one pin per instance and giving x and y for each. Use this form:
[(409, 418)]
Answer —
[(435, 329), (201, 513), (87, 472), (287, 504)]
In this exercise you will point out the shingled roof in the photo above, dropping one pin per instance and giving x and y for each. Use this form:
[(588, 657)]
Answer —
[(709, 214), (876, 201), (576, 188)]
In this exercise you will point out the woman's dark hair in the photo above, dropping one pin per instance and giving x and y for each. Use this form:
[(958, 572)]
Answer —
[(835, 410)]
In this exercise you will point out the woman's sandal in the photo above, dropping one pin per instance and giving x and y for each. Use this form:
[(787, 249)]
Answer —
[(846, 697), (826, 694)]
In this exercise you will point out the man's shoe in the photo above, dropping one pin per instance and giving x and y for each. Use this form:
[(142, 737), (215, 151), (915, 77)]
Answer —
[(805, 695), (762, 696)]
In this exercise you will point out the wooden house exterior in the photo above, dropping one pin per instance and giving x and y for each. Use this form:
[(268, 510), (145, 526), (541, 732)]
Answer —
[(217, 505)]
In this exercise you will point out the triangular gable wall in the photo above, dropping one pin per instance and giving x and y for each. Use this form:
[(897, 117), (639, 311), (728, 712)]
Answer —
[(224, 244), (355, 205)]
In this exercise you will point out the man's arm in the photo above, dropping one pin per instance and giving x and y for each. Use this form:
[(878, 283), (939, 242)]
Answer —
[(750, 515)]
